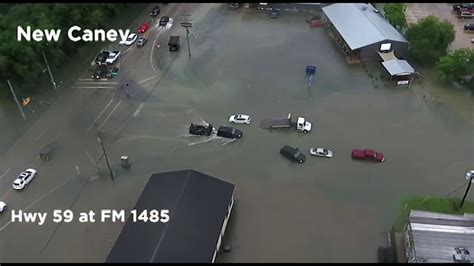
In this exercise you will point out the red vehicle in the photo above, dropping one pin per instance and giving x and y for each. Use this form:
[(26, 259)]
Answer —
[(367, 155), (144, 27)]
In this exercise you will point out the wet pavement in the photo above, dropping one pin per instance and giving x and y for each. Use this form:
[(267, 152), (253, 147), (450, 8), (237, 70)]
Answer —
[(325, 210)]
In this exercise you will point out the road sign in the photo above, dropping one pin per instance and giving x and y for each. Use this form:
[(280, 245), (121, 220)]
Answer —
[(26, 101)]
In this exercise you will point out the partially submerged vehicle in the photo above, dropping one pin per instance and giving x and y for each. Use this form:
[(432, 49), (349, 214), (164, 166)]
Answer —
[(293, 154), (302, 125), (47, 151), (229, 132), (173, 43), (200, 130)]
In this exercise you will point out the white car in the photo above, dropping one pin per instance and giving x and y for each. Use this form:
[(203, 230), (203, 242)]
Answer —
[(131, 39), (322, 152), (113, 56), (240, 119), (24, 178), (3, 206)]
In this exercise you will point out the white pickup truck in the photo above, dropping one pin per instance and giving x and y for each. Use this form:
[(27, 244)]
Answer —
[(301, 124), (113, 56)]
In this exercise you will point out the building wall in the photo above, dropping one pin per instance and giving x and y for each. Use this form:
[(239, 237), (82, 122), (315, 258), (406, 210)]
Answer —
[(370, 52)]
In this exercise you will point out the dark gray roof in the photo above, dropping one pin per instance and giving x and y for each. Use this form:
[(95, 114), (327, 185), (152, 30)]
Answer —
[(435, 235), (397, 67), (198, 204), (360, 25)]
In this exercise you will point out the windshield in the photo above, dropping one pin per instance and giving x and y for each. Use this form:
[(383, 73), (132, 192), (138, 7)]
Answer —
[(297, 154), (130, 37)]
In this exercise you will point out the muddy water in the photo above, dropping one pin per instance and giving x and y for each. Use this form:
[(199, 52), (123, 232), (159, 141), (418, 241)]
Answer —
[(325, 210)]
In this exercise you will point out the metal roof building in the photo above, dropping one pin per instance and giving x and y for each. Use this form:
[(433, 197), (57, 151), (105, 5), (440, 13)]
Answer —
[(360, 29), (199, 207), (398, 67), (434, 237)]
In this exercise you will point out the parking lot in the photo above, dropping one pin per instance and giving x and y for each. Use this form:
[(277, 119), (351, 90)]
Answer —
[(416, 11), (324, 210)]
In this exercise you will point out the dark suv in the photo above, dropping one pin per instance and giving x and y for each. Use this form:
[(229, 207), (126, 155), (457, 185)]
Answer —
[(469, 26), (200, 130), (100, 59), (229, 132), (163, 21), (100, 72), (293, 154), (156, 10)]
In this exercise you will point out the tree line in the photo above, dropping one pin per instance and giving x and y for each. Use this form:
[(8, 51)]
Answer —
[(429, 40), (23, 61)]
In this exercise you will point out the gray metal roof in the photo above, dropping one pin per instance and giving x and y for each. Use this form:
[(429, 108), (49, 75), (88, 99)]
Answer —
[(360, 25), (435, 235), (397, 67)]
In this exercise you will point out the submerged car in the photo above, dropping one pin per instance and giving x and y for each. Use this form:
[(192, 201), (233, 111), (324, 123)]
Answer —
[(229, 132), (240, 119), (321, 152), (156, 10), (163, 21), (24, 178), (113, 56), (274, 14), (100, 72), (200, 130), (141, 41), (131, 39), (144, 27), (367, 154), (3, 206), (293, 154), (102, 57)]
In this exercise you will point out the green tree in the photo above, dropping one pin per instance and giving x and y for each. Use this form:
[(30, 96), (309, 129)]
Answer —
[(395, 14), (23, 61), (457, 66), (429, 39)]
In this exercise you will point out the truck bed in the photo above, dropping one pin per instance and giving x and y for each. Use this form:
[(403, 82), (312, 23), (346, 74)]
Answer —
[(276, 123)]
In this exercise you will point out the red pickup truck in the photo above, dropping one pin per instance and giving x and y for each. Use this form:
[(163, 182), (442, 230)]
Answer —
[(367, 155)]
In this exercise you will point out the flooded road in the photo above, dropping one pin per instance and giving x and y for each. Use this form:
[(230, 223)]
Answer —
[(325, 210)]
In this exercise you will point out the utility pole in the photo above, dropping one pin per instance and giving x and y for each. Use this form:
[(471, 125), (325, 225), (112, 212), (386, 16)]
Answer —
[(187, 25), (16, 100), (469, 176), (49, 70), (99, 139)]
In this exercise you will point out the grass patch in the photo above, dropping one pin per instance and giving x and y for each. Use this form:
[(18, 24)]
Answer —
[(442, 205)]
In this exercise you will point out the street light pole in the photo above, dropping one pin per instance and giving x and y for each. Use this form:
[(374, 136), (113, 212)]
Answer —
[(99, 139), (187, 25), (49, 70), (16, 100), (470, 177)]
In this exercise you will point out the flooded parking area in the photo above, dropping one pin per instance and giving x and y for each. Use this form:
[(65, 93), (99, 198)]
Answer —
[(324, 210)]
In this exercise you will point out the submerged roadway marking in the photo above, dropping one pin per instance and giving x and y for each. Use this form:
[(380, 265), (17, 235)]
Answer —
[(152, 77), (6, 172), (100, 114), (110, 114), (140, 107)]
